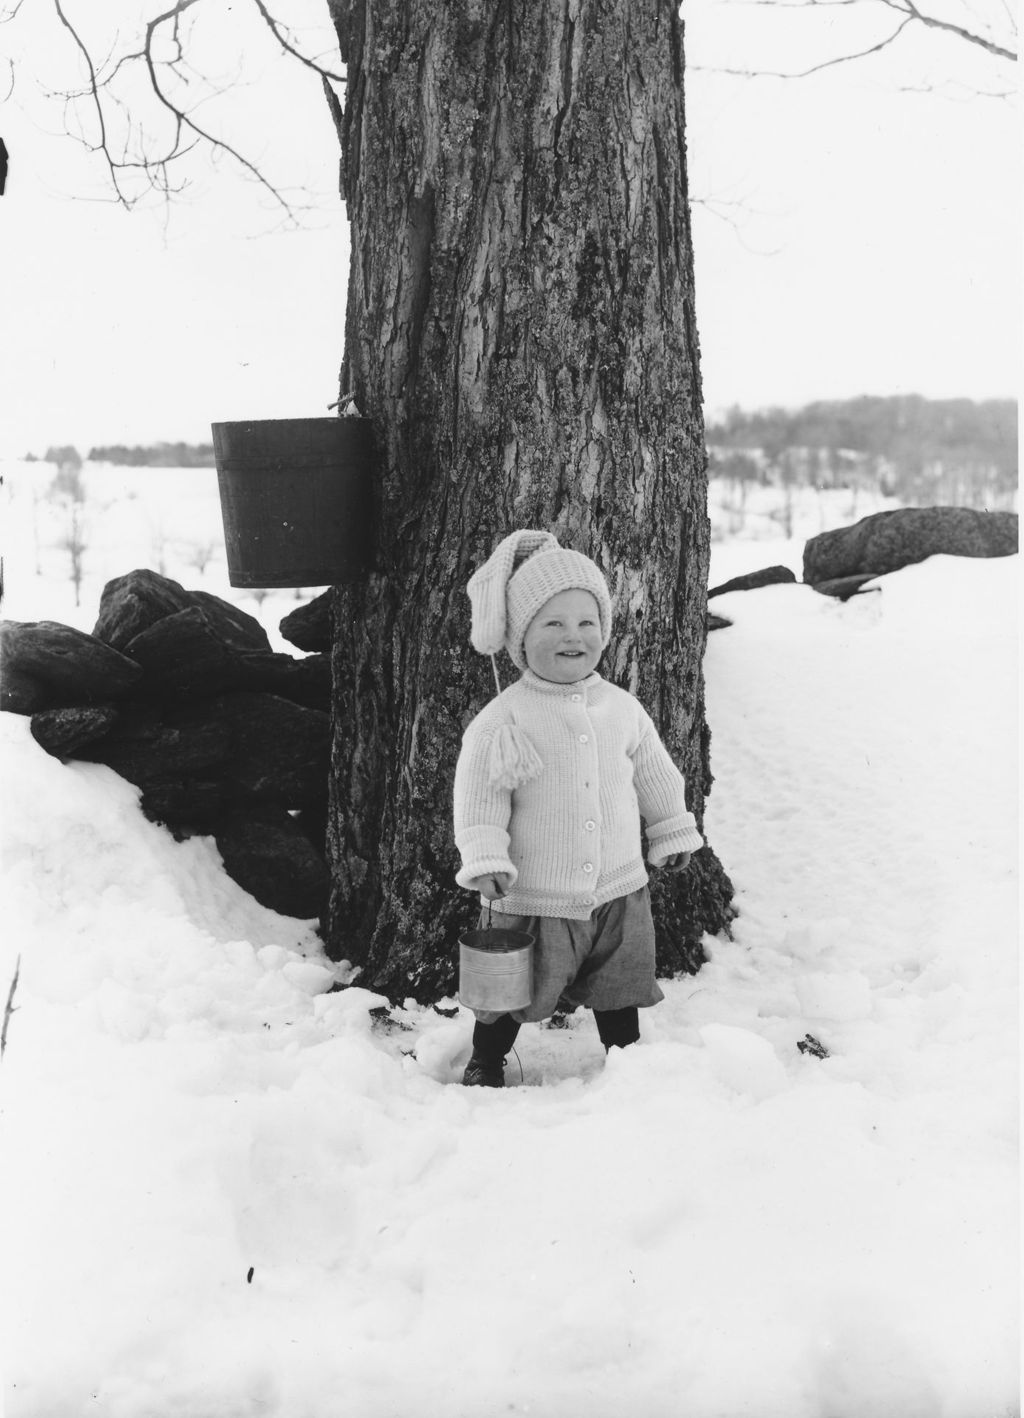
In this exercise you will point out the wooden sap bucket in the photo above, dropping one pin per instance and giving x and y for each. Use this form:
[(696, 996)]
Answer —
[(296, 498), (495, 968)]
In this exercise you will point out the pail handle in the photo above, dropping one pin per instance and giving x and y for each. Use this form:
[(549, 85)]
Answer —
[(490, 902)]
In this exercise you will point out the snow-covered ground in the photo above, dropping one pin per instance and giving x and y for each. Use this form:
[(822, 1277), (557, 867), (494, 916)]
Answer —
[(230, 1193)]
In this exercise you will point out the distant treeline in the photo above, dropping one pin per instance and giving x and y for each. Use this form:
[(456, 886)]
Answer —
[(156, 455), (915, 449)]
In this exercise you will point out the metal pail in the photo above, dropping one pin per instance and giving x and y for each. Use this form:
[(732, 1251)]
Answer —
[(495, 969)]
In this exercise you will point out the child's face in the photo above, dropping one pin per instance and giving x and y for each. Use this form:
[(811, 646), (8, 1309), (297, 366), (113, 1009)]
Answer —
[(563, 642)]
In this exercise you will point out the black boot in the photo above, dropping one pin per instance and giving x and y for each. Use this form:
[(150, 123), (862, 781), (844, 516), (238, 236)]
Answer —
[(484, 1073), (491, 1042), (617, 1027)]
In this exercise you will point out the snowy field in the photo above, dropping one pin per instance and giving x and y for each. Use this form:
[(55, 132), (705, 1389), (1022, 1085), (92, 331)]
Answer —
[(169, 519), (230, 1193)]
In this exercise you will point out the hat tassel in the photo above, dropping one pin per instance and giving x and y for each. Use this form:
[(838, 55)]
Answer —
[(514, 760)]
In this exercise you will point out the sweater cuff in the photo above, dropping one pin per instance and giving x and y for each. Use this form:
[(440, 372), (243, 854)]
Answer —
[(678, 834), (484, 851)]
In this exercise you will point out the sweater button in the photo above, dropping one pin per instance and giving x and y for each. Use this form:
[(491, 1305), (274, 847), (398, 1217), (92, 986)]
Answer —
[(588, 866), (576, 698), (589, 826), (584, 738)]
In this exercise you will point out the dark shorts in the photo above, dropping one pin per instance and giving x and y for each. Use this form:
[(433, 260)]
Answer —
[(606, 962)]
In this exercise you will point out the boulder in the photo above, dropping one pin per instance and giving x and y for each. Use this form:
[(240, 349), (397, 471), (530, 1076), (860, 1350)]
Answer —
[(753, 580), (268, 856), (278, 750), (188, 653), (254, 745), (20, 693), (304, 681), (152, 744), (63, 732), (132, 603), (52, 666), (886, 541), (237, 626), (312, 823), (843, 587), (309, 626), (186, 805)]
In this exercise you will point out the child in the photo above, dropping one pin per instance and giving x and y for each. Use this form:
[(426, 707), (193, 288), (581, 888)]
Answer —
[(553, 778)]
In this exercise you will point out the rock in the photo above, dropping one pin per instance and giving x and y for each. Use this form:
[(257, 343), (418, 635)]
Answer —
[(886, 541), (312, 823), (753, 580), (237, 626), (187, 653), (152, 744), (306, 681), (268, 856), (132, 603), (20, 693), (62, 732), (254, 745), (53, 666), (186, 805), (810, 1045), (309, 626), (843, 587), (279, 750)]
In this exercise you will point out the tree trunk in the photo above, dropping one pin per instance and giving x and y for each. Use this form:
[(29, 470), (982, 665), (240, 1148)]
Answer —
[(520, 329)]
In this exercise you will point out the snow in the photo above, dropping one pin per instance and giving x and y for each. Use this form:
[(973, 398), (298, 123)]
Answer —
[(231, 1191)]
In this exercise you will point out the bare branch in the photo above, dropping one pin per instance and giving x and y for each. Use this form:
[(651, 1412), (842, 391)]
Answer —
[(183, 120), (954, 92), (815, 68), (289, 48), (129, 147), (9, 1008), (932, 22), (94, 89), (734, 214), (909, 9), (799, 4)]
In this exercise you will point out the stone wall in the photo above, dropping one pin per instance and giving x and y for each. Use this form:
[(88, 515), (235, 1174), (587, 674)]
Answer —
[(179, 692)]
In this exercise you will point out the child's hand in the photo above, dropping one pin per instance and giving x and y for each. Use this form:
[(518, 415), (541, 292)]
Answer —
[(679, 862), (493, 887)]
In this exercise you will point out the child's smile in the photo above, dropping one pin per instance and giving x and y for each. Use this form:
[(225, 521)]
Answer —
[(563, 641)]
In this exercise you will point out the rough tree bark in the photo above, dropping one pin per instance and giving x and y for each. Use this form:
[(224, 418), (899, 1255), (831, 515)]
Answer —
[(520, 329)]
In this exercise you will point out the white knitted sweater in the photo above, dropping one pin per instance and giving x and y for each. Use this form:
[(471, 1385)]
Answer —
[(570, 838)]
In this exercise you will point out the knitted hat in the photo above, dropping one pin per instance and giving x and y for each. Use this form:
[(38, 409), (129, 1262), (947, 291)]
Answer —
[(521, 575)]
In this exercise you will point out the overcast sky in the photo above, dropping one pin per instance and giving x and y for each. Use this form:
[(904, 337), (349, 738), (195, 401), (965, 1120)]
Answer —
[(867, 240)]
